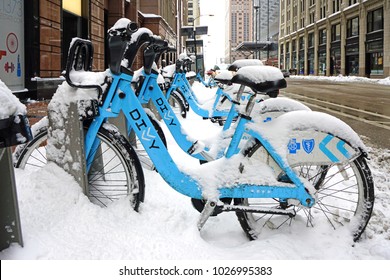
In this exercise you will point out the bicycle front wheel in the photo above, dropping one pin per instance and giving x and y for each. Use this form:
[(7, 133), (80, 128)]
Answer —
[(344, 200), (176, 100), (115, 172)]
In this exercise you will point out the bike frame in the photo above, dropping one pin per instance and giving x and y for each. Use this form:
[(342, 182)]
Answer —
[(181, 83), (171, 121), (121, 97), (210, 83)]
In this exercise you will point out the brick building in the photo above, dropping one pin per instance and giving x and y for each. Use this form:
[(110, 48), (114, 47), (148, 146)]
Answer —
[(50, 25)]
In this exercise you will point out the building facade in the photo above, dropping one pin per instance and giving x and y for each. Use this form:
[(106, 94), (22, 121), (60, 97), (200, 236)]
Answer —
[(240, 26), (332, 37), (34, 55)]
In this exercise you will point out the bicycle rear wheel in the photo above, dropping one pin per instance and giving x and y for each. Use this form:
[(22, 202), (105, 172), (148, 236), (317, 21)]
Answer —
[(345, 199), (115, 173)]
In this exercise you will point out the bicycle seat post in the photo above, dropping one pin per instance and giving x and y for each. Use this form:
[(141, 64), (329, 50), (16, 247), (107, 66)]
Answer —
[(250, 104), (239, 93)]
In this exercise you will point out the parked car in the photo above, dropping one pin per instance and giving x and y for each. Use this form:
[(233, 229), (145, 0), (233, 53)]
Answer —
[(286, 73)]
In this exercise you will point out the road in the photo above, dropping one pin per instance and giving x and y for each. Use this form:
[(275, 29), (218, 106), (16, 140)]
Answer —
[(365, 107)]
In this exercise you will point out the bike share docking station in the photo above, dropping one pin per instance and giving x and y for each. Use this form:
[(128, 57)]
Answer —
[(68, 114), (14, 130)]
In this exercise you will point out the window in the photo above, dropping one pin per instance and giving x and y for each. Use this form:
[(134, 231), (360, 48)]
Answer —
[(376, 63), (312, 16), (336, 6), (322, 36), (353, 27), (375, 20), (72, 6), (301, 43), (336, 32), (311, 40)]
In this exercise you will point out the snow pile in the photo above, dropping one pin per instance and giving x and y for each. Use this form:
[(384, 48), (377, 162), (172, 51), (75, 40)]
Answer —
[(345, 79), (9, 104)]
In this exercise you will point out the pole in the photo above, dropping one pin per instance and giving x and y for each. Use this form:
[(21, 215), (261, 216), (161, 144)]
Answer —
[(268, 39), (195, 51), (256, 27)]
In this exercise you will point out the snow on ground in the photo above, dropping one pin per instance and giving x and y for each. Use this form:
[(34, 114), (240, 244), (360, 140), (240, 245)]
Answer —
[(345, 79), (59, 222)]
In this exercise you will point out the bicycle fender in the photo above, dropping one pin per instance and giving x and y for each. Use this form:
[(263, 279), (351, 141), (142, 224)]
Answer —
[(310, 137)]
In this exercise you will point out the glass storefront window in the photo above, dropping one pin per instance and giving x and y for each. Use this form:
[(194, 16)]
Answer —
[(322, 63), (376, 59), (310, 57), (335, 62), (322, 36), (281, 62), (352, 65), (311, 40), (294, 60), (287, 60), (301, 63)]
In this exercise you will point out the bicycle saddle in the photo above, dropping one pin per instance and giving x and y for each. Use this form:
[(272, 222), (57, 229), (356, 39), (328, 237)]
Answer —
[(237, 64), (260, 78), (224, 77)]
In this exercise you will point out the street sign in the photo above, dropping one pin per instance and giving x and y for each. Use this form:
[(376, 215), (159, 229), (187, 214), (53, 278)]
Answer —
[(191, 43), (189, 30)]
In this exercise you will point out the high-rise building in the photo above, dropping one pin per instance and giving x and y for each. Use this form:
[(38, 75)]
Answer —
[(332, 37), (193, 12), (254, 25), (240, 26)]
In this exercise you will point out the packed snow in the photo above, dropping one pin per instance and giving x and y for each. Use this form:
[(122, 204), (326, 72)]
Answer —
[(345, 79)]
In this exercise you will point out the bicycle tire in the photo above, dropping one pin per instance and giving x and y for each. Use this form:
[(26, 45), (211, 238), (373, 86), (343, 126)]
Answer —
[(103, 186), (177, 103), (347, 201), (183, 98)]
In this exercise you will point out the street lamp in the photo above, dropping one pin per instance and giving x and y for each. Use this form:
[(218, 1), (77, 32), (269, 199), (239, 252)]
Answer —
[(194, 34)]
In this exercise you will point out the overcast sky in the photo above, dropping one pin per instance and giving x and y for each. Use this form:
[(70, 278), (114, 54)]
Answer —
[(215, 43)]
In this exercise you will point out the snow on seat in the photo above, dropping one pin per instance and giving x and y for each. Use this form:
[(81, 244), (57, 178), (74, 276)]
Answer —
[(224, 77), (260, 78), (239, 63)]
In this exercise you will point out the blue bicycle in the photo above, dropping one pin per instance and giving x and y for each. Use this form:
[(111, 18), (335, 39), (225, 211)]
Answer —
[(302, 167)]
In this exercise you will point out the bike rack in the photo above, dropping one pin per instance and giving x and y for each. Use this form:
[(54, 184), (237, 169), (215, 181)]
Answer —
[(59, 149), (80, 57), (13, 131)]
